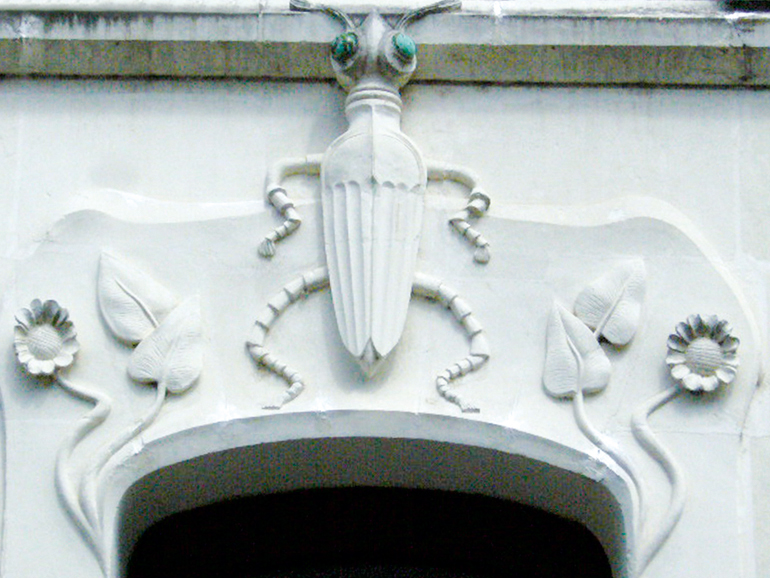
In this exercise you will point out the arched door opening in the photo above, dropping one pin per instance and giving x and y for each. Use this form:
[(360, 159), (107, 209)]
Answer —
[(425, 477), (367, 532)]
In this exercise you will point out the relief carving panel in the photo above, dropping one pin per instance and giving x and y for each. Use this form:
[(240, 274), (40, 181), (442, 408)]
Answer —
[(588, 376)]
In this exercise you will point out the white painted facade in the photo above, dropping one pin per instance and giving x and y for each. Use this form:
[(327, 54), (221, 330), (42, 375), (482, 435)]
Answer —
[(605, 133)]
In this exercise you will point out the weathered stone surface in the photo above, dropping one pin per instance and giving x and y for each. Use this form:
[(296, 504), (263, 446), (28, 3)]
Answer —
[(711, 48)]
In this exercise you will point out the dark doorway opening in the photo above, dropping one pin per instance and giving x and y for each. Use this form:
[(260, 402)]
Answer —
[(367, 533)]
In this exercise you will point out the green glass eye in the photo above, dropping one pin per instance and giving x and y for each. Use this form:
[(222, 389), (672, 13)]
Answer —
[(404, 46), (344, 47)]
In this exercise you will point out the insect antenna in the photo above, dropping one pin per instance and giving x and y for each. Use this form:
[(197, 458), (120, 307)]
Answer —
[(417, 13), (305, 6)]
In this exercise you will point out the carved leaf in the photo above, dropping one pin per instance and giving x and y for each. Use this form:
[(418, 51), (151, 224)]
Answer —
[(612, 304), (131, 301), (574, 360), (171, 356)]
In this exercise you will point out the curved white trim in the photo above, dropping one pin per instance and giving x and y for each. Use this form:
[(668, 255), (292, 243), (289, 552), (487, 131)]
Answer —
[(364, 448)]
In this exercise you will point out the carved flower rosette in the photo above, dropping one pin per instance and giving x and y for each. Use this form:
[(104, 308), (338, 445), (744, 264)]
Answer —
[(165, 343), (702, 354), (44, 338)]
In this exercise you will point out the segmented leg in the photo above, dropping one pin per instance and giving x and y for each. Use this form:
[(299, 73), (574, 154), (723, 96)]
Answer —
[(278, 197), (433, 288), (315, 280), (477, 205)]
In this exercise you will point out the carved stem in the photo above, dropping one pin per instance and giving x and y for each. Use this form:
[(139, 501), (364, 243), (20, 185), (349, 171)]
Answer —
[(652, 541), (611, 448), (68, 489), (89, 497), (605, 444)]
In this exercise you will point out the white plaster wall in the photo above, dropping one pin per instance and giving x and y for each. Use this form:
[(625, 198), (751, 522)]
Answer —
[(211, 142), (126, 148)]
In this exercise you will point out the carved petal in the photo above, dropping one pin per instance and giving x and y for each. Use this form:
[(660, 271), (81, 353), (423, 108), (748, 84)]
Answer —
[(131, 302), (574, 360), (612, 304), (172, 356)]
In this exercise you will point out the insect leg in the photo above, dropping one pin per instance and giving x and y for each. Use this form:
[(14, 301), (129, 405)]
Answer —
[(315, 280), (433, 288), (477, 205), (276, 194)]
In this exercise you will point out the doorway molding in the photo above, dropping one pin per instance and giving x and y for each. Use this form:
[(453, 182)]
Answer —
[(338, 449)]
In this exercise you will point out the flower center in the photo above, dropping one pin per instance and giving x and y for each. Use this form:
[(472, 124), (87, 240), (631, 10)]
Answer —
[(704, 356), (44, 342)]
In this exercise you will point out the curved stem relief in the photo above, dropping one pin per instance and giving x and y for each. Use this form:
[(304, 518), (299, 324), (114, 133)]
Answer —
[(89, 489), (612, 449), (604, 443), (67, 486), (653, 539)]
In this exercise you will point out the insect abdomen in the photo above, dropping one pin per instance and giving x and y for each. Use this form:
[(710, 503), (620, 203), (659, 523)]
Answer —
[(372, 228)]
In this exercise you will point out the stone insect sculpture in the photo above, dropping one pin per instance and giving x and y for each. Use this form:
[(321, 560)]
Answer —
[(373, 183)]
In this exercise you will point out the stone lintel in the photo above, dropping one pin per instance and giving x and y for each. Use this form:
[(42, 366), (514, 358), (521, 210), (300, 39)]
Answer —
[(720, 50)]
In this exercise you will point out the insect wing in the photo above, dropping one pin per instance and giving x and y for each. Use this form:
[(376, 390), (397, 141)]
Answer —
[(372, 226)]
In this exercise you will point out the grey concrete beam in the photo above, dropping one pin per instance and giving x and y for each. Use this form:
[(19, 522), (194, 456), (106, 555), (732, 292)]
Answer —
[(712, 50)]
